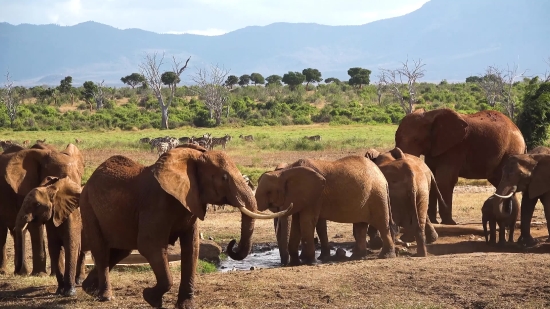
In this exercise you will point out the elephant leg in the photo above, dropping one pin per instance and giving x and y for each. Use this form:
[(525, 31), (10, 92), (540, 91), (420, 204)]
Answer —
[(501, 233), (527, 209), (446, 179), (545, 200), (381, 221), (54, 249), (158, 259), (294, 240), (97, 282), (375, 242), (3, 256), (22, 269), (282, 232), (189, 243), (430, 232), (360, 235), (492, 231), (321, 228), (308, 222), (38, 249), (512, 227), (80, 268), (72, 253)]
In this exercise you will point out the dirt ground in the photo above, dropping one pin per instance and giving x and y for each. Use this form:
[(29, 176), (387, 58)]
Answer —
[(461, 272)]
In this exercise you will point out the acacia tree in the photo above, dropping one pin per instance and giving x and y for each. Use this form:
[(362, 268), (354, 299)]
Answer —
[(332, 80), (211, 89), (257, 78), (133, 80), (244, 80), (312, 76), (402, 80), (273, 80), (231, 81), (293, 79), (10, 100), (359, 77), (66, 87), (94, 93), (150, 69)]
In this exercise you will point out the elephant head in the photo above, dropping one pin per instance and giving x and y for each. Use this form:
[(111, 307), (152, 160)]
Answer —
[(26, 168), (55, 199), (383, 158), (524, 173), (430, 133), (196, 177)]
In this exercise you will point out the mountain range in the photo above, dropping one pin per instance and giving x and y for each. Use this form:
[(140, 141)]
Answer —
[(455, 39)]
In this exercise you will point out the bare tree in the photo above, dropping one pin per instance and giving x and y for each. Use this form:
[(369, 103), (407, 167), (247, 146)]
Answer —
[(491, 83), (211, 89), (380, 89), (9, 99), (172, 83), (547, 74), (508, 78), (403, 80), (99, 95)]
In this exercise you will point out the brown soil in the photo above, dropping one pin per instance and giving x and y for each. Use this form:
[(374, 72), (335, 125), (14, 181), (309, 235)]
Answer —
[(462, 271)]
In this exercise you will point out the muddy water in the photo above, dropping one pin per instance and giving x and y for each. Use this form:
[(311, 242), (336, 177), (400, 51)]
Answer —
[(267, 259)]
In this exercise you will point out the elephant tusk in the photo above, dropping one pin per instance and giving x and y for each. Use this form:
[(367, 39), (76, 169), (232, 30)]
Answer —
[(504, 196), (25, 226), (255, 215)]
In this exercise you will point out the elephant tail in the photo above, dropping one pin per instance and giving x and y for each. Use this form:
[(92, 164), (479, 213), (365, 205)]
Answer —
[(485, 220), (435, 189), (393, 226)]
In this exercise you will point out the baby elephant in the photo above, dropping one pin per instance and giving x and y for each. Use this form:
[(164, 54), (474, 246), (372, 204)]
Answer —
[(55, 204), (491, 214)]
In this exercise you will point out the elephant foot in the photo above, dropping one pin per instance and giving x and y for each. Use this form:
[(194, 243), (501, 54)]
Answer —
[(431, 237), (309, 261), (23, 271), (358, 255), (78, 281), (294, 262), (59, 290), (68, 292), (152, 297), (433, 220), (90, 286), (186, 304), (3, 271), (324, 256), (375, 243), (448, 222), (527, 241), (105, 298), (387, 253)]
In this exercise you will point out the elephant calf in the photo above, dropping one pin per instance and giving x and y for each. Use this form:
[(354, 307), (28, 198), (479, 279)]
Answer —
[(55, 204), (490, 213), (410, 182)]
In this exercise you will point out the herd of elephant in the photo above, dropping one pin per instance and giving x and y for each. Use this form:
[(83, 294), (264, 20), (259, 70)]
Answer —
[(126, 206)]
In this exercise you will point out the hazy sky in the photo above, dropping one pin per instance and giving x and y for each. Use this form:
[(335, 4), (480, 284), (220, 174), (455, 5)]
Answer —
[(207, 17)]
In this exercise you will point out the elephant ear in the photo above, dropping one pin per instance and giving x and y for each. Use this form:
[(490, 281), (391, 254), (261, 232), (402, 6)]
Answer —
[(540, 178), (23, 170), (301, 186), (73, 151), (176, 171), (372, 154), (448, 129), (64, 195), (49, 180)]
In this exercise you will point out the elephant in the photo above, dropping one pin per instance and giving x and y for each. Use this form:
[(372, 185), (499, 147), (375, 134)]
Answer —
[(282, 230), (410, 183), (529, 174), (539, 150), (55, 204), (23, 170), (490, 214), (349, 190), (456, 145), (127, 206)]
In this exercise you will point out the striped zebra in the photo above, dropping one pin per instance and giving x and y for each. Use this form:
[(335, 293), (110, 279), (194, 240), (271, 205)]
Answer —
[(216, 141), (162, 147), (248, 138), (315, 138), (185, 139), (204, 141), (250, 185)]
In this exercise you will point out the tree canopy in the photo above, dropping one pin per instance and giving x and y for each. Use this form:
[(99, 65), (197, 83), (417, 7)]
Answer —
[(293, 79), (312, 76), (65, 85), (274, 80), (244, 80), (170, 78), (359, 77), (231, 81), (257, 78), (133, 79), (332, 80), (534, 120)]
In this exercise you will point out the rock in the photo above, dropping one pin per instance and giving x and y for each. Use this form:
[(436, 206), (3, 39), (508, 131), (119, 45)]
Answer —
[(209, 251), (210, 238), (340, 253), (254, 268)]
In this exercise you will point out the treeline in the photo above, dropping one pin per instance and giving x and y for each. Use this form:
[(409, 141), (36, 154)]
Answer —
[(131, 108)]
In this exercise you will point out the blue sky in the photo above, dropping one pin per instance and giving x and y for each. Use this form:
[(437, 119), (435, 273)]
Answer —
[(206, 17)]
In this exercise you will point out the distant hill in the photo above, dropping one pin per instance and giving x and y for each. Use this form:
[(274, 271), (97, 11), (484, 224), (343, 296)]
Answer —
[(454, 38)]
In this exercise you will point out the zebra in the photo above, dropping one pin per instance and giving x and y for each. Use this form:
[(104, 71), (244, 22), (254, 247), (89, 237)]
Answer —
[(248, 183), (220, 141), (184, 139), (204, 141), (247, 138), (144, 140), (315, 138), (6, 145), (162, 147)]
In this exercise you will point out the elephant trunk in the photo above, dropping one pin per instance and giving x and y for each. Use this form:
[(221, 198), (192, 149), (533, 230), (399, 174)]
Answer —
[(243, 198), (19, 237), (282, 231), (505, 193)]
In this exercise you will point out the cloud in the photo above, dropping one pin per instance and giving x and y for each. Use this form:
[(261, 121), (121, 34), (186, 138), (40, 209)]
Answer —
[(207, 32)]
